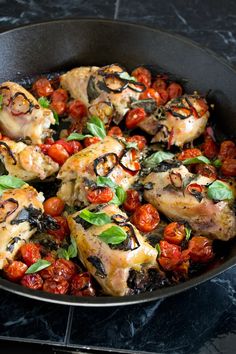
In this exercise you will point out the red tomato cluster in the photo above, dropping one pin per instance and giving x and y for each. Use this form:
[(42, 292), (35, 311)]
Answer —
[(227, 155)]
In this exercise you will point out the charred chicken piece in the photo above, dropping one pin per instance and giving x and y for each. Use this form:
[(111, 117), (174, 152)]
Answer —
[(26, 161), (181, 196), (21, 117), (111, 264), (105, 91), (16, 227), (107, 158)]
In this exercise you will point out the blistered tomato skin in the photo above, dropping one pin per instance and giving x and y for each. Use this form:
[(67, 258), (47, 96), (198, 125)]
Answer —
[(59, 107), (61, 269), (209, 147), (174, 90), (200, 249), (228, 168), (90, 141), (189, 154), (132, 201), (142, 75), (63, 231), (15, 270), (115, 131), (30, 253), (170, 255), (32, 281), (77, 110), (174, 233), (54, 206), (100, 195), (134, 117), (56, 287), (227, 150), (146, 218), (42, 87), (81, 285), (58, 153)]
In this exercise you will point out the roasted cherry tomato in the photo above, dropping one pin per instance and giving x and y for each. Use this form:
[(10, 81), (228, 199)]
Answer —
[(189, 154), (59, 95), (151, 93), (58, 153), (90, 141), (42, 87), (174, 90), (49, 141), (163, 94), (77, 110), (170, 255), (81, 285), (75, 145), (15, 270), (139, 140), (61, 269), (146, 218), (56, 287), (174, 233), (63, 231), (33, 281), (132, 201), (200, 249), (143, 75), (100, 195), (54, 206), (227, 150), (66, 145), (115, 131), (209, 147), (59, 107), (228, 167), (159, 83), (30, 253), (194, 188), (206, 170), (134, 117), (44, 148)]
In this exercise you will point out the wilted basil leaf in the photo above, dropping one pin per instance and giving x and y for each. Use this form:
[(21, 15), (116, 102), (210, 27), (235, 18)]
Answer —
[(77, 136), (198, 159), (44, 102), (219, 191), (37, 266), (158, 248), (95, 218), (96, 127), (114, 235), (187, 233), (157, 158)]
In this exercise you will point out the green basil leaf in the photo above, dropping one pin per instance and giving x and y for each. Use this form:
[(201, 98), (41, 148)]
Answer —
[(157, 158), (198, 159), (124, 75), (55, 115), (96, 127), (1, 101), (10, 182), (121, 194), (95, 218), (158, 248), (114, 235), (187, 233), (105, 181), (63, 253), (44, 102), (37, 266), (72, 249), (219, 191), (217, 163), (77, 136)]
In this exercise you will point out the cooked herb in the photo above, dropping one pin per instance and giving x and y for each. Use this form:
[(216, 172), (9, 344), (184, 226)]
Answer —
[(44, 102), (37, 266), (149, 105), (1, 101), (219, 191), (105, 181), (217, 163), (10, 182), (158, 248), (157, 158), (95, 218), (55, 115), (92, 91), (114, 235), (187, 233), (96, 127), (198, 159), (77, 136), (71, 252)]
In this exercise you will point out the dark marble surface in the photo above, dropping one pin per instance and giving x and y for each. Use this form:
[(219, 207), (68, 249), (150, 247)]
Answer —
[(201, 320)]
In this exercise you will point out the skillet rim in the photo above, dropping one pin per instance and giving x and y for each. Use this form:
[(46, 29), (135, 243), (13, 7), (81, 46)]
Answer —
[(128, 299)]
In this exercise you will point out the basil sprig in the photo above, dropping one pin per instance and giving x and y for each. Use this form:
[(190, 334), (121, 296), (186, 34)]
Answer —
[(1, 102), (71, 252), (119, 193), (95, 218), (188, 232), (10, 182), (44, 102), (157, 158), (77, 136), (219, 191), (114, 235), (197, 159), (96, 127), (37, 266)]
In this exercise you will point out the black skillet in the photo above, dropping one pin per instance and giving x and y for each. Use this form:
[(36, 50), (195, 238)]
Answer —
[(60, 45)]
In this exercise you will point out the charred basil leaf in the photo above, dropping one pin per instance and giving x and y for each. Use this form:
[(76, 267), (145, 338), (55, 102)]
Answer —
[(219, 191), (149, 105), (39, 265), (114, 235), (96, 127), (11, 244), (198, 159), (44, 102), (157, 158), (97, 263), (92, 91), (77, 136), (95, 218)]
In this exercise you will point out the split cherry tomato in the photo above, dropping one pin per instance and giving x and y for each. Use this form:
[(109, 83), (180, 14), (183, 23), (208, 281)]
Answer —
[(58, 153), (32, 281), (163, 94), (90, 141), (174, 90), (142, 75), (56, 287), (42, 87), (77, 109), (146, 218), (132, 201), (228, 167), (170, 255), (174, 233), (63, 231), (81, 285), (189, 154), (115, 131), (151, 93), (195, 189), (15, 270), (54, 206), (61, 269), (200, 249), (100, 195), (139, 140), (227, 150), (66, 145), (134, 117), (209, 147), (30, 253), (206, 170)]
